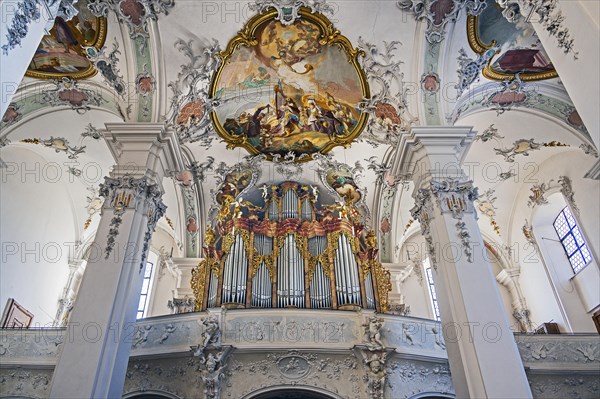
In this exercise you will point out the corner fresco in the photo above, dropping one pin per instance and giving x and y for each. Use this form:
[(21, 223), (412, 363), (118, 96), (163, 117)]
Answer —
[(521, 51), (63, 53), (343, 183), (289, 88)]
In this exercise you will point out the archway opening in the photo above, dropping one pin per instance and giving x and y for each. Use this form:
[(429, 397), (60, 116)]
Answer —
[(287, 393)]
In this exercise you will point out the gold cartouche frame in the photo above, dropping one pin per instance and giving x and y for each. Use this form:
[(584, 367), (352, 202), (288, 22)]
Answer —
[(479, 47), (329, 36), (90, 71)]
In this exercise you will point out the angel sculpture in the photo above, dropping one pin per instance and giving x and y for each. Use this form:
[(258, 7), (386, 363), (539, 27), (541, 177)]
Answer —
[(376, 374), (372, 333)]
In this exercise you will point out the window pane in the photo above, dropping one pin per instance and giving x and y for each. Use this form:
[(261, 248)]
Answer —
[(577, 261), (578, 236), (148, 271), (572, 239), (570, 218), (432, 293), (561, 226), (587, 256), (145, 285), (142, 303), (569, 244)]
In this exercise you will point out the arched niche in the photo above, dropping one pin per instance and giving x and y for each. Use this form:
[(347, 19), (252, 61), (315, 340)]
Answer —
[(287, 392)]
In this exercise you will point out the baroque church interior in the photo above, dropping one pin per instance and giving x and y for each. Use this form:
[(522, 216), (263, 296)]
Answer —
[(300, 199)]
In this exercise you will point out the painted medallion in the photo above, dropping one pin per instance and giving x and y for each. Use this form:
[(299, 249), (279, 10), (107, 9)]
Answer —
[(62, 53), (521, 51), (289, 88)]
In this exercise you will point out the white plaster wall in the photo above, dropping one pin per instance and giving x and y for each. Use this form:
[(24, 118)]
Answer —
[(165, 279), (37, 228), (562, 304)]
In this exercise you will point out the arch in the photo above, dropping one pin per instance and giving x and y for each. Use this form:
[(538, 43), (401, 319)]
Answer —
[(151, 394), (291, 392), (432, 395)]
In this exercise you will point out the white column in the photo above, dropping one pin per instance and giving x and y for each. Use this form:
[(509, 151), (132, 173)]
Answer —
[(95, 352), (578, 74), (482, 353), (22, 26)]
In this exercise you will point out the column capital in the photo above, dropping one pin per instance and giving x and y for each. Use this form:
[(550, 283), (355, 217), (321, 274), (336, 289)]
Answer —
[(143, 150), (432, 152)]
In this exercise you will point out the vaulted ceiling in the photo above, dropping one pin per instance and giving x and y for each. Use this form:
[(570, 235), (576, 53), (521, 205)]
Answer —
[(421, 67)]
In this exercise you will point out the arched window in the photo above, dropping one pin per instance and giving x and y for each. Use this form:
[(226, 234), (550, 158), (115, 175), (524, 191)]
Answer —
[(572, 240), (145, 293), (432, 294)]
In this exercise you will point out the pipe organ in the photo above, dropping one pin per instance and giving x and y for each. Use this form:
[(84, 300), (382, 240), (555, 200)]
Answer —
[(289, 250)]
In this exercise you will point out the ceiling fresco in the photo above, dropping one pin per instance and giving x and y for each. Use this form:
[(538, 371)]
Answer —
[(64, 52), (520, 50), (289, 88)]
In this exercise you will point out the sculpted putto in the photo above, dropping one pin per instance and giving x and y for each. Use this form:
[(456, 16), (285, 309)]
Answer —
[(372, 333)]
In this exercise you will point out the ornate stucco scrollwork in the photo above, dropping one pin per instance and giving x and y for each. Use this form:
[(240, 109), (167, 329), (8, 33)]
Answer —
[(127, 192), (190, 106), (423, 212), (68, 92), (27, 11), (384, 285), (198, 282), (452, 196), (136, 14), (388, 104), (211, 356), (455, 196), (470, 68), (288, 10), (107, 64), (538, 194), (426, 10), (567, 191), (548, 16), (156, 210)]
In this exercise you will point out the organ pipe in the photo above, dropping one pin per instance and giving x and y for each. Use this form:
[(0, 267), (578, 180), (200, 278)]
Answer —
[(301, 253), (369, 290)]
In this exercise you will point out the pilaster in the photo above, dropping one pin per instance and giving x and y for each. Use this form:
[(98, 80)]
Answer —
[(95, 353), (474, 324)]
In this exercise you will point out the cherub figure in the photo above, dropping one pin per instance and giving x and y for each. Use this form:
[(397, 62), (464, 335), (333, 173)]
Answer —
[(212, 374), (315, 192), (376, 374), (373, 334), (212, 333), (237, 208), (169, 329), (265, 191), (141, 335)]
